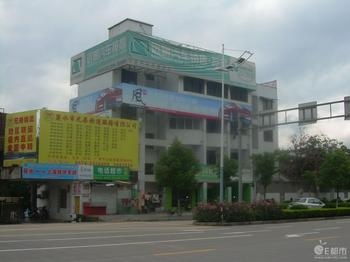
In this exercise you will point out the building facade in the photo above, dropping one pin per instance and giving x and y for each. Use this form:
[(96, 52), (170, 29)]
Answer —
[(174, 91)]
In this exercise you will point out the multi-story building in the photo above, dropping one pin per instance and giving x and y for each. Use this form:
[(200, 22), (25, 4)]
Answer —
[(174, 90)]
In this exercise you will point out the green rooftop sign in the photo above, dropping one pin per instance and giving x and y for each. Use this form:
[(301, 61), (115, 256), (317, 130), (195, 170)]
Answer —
[(155, 53)]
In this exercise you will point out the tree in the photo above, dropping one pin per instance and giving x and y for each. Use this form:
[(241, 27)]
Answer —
[(230, 170), (302, 161), (177, 169), (335, 170), (264, 169)]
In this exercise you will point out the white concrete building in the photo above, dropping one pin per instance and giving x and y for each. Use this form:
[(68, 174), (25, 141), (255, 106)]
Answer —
[(174, 90)]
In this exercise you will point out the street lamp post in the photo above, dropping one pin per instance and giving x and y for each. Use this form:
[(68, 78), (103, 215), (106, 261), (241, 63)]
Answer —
[(222, 127), (241, 60)]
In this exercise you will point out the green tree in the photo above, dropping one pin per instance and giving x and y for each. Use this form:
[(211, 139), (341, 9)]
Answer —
[(301, 162), (264, 169), (230, 171), (177, 168), (335, 170)]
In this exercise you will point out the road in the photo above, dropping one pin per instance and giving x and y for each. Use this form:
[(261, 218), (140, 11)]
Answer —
[(175, 241)]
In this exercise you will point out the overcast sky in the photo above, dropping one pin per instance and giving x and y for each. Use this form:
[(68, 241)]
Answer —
[(304, 45)]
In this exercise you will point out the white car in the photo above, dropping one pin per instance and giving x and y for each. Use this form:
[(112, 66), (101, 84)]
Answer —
[(310, 202)]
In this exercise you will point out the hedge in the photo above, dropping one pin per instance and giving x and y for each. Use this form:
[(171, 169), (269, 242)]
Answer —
[(259, 211)]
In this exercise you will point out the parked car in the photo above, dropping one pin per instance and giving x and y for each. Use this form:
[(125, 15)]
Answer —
[(310, 202)]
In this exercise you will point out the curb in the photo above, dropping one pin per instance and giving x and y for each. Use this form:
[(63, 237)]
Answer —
[(267, 221)]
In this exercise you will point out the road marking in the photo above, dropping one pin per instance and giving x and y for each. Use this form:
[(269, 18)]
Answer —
[(327, 228), (343, 222), (97, 237), (321, 238), (185, 252), (121, 244), (192, 230), (300, 234), (245, 232), (278, 227)]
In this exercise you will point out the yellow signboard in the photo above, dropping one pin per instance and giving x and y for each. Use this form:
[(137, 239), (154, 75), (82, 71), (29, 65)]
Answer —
[(20, 138), (74, 138)]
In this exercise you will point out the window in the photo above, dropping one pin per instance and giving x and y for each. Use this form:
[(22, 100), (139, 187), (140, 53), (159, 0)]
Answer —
[(180, 123), (188, 123), (214, 89), (63, 198), (213, 126), (268, 136), (211, 157), (267, 104), (150, 135), (172, 123), (239, 94), (184, 123), (129, 77), (149, 77), (149, 168), (194, 85)]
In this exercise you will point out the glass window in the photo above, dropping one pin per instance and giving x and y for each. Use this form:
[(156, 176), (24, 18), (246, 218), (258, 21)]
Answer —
[(211, 157), (239, 94), (180, 123), (188, 123), (268, 135), (213, 126), (172, 123), (129, 77), (214, 89), (149, 168), (196, 124), (194, 85), (267, 104)]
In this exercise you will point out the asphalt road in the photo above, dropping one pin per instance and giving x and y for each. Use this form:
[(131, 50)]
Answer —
[(176, 241)]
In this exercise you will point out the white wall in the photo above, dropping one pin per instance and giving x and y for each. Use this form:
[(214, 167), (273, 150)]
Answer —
[(97, 83)]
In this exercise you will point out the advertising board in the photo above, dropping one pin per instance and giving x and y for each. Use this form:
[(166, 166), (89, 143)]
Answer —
[(161, 100), (88, 140), (109, 173), (49, 171), (20, 138)]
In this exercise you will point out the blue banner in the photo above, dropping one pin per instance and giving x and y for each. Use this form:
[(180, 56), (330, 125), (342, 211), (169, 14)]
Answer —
[(49, 171)]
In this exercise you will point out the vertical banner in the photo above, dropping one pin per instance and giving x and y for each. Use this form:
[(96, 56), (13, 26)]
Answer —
[(20, 138), (82, 139)]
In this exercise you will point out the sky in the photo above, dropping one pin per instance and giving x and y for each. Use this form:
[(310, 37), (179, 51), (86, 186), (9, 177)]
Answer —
[(304, 45)]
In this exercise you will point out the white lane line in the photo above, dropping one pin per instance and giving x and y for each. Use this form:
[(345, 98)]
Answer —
[(327, 228), (246, 232), (97, 237), (122, 244), (343, 222), (279, 227), (300, 234)]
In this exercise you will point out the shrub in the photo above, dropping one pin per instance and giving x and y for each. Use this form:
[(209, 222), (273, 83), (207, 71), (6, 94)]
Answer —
[(294, 207), (263, 210), (208, 213), (266, 210), (330, 205), (238, 212), (344, 204), (315, 212)]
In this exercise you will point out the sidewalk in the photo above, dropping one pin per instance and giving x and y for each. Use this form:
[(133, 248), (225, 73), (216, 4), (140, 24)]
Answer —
[(146, 217)]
